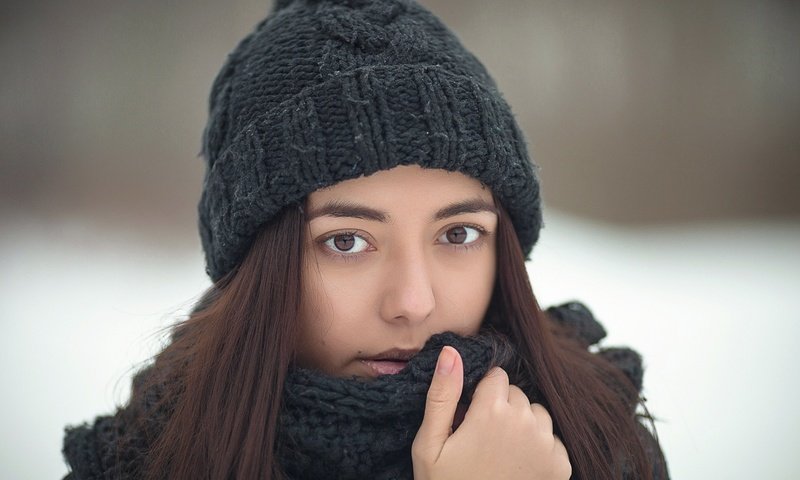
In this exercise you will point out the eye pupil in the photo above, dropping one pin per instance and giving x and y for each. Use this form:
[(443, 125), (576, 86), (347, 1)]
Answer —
[(344, 242), (457, 235)]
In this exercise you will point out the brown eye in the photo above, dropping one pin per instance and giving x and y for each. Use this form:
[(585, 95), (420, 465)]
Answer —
[(461, 235), (457, 235), (344, 242)]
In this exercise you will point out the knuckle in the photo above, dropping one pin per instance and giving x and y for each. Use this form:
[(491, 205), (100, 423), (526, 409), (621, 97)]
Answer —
[(417, 450), (497, 372), (517, 393), (563, 465), (494, 378), (539, 411), (497, 409), (422, 453), (564, 469)]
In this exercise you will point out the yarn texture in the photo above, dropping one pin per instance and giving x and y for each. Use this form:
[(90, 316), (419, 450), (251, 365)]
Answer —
[(339, 428), (324, 91), (354, 429)]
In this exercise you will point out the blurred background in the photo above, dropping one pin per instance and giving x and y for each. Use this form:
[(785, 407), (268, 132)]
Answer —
[(667, 135)]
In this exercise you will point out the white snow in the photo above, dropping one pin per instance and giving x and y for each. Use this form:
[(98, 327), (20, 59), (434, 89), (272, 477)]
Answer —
[(712, 308)]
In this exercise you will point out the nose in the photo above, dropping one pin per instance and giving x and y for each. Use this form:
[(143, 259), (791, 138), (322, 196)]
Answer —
[(408, 292)]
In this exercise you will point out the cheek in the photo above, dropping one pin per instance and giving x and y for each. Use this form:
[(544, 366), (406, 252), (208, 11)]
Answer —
[(469, 296), (331, 310), (314, 312)]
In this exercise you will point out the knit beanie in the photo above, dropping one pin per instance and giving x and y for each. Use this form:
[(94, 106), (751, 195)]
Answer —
[(323, 91)]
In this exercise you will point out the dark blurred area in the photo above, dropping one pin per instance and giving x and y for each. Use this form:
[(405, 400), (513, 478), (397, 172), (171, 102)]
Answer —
[(637, 112)]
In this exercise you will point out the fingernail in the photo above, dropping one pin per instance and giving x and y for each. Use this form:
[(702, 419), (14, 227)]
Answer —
[(447, 360)]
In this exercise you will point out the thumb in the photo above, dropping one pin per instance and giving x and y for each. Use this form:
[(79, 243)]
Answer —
[(441, 403)]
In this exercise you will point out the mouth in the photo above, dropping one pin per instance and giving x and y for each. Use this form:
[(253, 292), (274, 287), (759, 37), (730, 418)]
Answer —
[(390, 362)]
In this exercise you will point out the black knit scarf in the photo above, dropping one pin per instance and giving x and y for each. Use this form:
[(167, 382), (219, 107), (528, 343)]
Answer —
[(335, 428), (346, 429)]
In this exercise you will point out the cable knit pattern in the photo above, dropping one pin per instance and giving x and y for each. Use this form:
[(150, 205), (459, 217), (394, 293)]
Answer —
[(324, 91), (330, 427)]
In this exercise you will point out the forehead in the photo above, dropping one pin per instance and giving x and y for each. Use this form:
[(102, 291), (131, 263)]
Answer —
[(407, 184)]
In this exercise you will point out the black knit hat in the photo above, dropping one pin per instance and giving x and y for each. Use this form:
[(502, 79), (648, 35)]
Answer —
[(324, 91)]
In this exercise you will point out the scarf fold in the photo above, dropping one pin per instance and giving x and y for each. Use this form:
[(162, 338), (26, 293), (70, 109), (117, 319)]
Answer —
[(335, 428), (347, 429)]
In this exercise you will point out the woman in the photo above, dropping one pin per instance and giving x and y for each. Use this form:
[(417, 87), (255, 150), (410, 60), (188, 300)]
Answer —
[(366, 214)]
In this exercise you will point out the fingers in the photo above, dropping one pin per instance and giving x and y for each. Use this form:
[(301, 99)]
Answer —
[(544, 422), (503, 435), (563, 467), (543, 419), (440, 406), (517, 398), (492, 387)]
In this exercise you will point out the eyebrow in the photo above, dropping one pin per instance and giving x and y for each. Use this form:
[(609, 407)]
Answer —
[(474, 205), (339, 208)]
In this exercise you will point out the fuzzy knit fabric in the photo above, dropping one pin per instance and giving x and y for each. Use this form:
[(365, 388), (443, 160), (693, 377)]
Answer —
[(323, 91), (353, 429), (334, 428)]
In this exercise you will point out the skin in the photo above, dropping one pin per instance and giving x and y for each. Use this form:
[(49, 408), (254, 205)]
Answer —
[(503, 435), (375, 284), (402, 280)]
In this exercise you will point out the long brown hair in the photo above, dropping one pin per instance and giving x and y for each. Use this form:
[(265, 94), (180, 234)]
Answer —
[(224, 371), (592, 402), (220, 380)]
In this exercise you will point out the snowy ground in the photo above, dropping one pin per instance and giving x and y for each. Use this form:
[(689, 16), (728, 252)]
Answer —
[(712, 309)]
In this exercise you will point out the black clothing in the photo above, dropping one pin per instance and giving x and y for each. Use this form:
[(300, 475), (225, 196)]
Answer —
[(334, 428), (325, 91)]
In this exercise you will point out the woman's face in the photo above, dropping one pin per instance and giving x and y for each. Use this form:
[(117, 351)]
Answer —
[(392, 259)]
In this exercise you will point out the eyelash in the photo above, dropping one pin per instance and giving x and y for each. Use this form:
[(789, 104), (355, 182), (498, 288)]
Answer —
[(356, 256)]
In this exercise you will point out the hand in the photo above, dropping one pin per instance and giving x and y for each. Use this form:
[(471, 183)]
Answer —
[(503, 435)]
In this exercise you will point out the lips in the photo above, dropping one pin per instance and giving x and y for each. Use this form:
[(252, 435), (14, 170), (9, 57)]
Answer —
[(385, 367), (389, 362)]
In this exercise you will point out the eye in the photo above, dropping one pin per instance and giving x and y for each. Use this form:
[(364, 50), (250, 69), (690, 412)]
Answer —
[(461, 235), (346, 243)]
